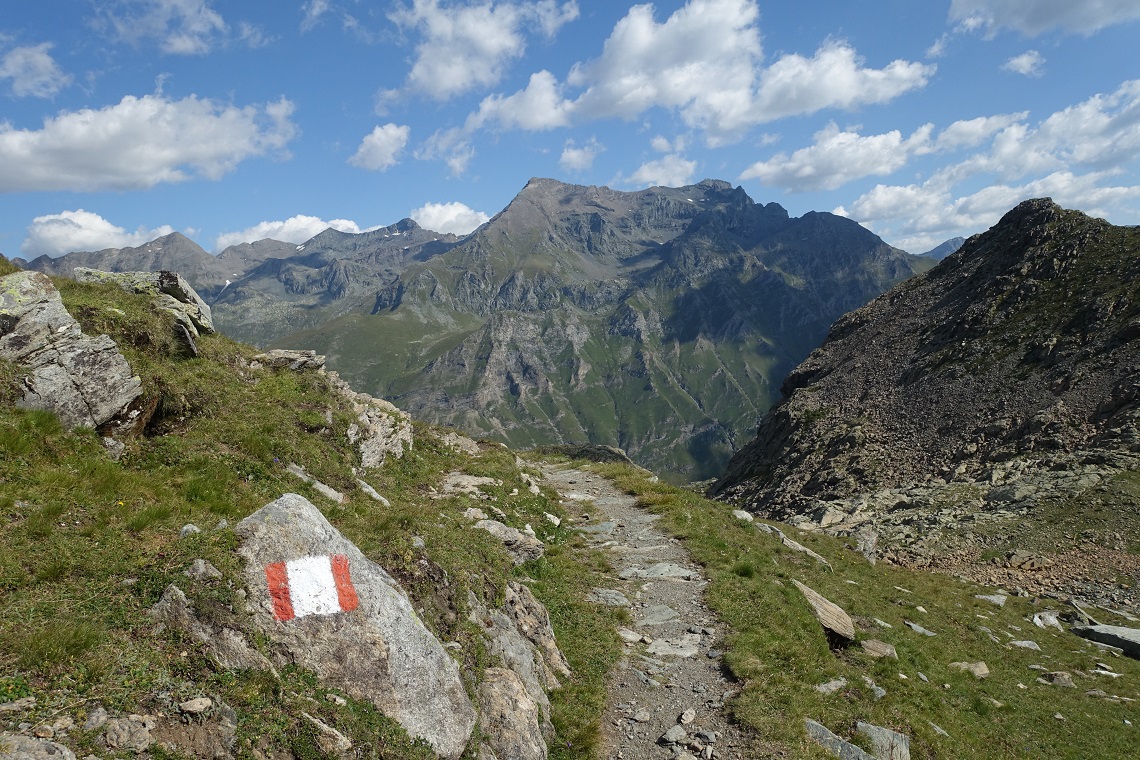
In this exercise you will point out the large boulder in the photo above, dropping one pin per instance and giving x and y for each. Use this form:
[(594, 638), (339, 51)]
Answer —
[(85, 380), (170, 291), (324, 606)]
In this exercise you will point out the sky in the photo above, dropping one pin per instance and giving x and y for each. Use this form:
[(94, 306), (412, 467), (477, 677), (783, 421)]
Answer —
[(230, 121)]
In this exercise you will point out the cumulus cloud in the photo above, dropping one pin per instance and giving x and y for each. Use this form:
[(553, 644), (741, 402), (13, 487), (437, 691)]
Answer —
[(139, 143), (839, 156), (536, 108), (1030, 64), (1074, 156), (580, 158), (295, 229), (465, 46), (178, 27), (1035, 17), (31, 70), (381, 149), (79, 230), (456, 218), (704, 62), (671, 170)]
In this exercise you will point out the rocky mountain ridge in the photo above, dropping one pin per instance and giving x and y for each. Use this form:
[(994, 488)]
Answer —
[(656, 321), (1005, 380), (652, 321)]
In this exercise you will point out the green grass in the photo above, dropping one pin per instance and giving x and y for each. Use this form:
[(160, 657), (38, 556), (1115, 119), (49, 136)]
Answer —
[(779, 652), (91, 543)]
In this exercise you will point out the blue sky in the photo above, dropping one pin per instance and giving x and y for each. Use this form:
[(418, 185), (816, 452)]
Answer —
[(121, 120)]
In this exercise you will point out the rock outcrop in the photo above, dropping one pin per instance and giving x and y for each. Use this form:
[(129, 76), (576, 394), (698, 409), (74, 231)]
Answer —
[(324, 606), (170, 291), (1007, 376), (85, 380)]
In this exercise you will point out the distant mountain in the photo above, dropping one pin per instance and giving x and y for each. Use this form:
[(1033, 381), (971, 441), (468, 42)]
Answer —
[(944, 249), (655, 321), (208, 274), (1008, 376)]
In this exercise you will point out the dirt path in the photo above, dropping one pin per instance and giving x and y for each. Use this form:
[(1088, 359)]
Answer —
[(667, 694)]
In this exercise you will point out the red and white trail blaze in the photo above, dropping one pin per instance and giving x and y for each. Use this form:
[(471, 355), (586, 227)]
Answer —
[(315, 585)]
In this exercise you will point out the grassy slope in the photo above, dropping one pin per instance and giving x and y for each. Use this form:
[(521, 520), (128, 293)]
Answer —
[(779, 651), (90, 543)]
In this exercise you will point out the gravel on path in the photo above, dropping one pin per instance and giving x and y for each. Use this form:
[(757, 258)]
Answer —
[(667, 695)]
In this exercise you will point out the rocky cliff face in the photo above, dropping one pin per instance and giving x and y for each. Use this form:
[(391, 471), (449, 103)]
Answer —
[(653, 321), (1007, 376)]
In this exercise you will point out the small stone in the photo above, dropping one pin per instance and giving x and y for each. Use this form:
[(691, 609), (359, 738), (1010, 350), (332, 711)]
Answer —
[(998, 599), (1026, 645), (978, 669), (922, 677), (687, 717), (96, 717), (740, 514), (918, 628), (674, 735), (1060, 678), (418, 542), (336, 699), (189, 529), (474, 513), (628, 636), (196, 706), (642, 716), (712, 654), (876, 648), (201, 570), (44, 732), (831, 686)]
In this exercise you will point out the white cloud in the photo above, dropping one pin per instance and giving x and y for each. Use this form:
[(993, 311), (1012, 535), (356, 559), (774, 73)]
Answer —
[(538, 107), (1034, 17), (381, 149), (672, 170), (837, 157), (295, 229), (1030, 64), (313, 10), (1076, 156), (180, 27), (834, 78), (32, 71), (139, 143), (79, 230), (456, 218), (453, 146), (705, 63), (575, 158), (968, 133), (465, 46)]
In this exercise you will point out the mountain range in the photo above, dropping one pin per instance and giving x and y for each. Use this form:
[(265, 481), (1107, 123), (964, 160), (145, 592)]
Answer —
[(658, 321)]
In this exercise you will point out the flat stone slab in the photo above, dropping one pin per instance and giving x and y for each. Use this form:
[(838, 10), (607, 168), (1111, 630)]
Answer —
[(658, 614), (998, 599), (687, 645), (885, 743), (822, 736), (1125, 639), (609, 597), (830, 615), (660, 571), (919, 629), (876, 648), (601, 529)]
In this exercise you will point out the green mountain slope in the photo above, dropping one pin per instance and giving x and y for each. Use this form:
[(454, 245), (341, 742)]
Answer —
[(654, 321)]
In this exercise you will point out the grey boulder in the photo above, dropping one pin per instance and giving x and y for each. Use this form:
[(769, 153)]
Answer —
[(170, 292), (509, 718), (352, 625), (85, 380)]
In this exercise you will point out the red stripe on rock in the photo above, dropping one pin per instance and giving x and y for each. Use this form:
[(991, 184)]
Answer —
[(278, 579), (346, 594)]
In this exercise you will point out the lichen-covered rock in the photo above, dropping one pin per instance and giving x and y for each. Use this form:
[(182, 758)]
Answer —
[(17, 747), (324, 606), (170, 291), (226, 646), (84, 380), (381, 430), (284, 358), (519, 545), (509, 718)]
